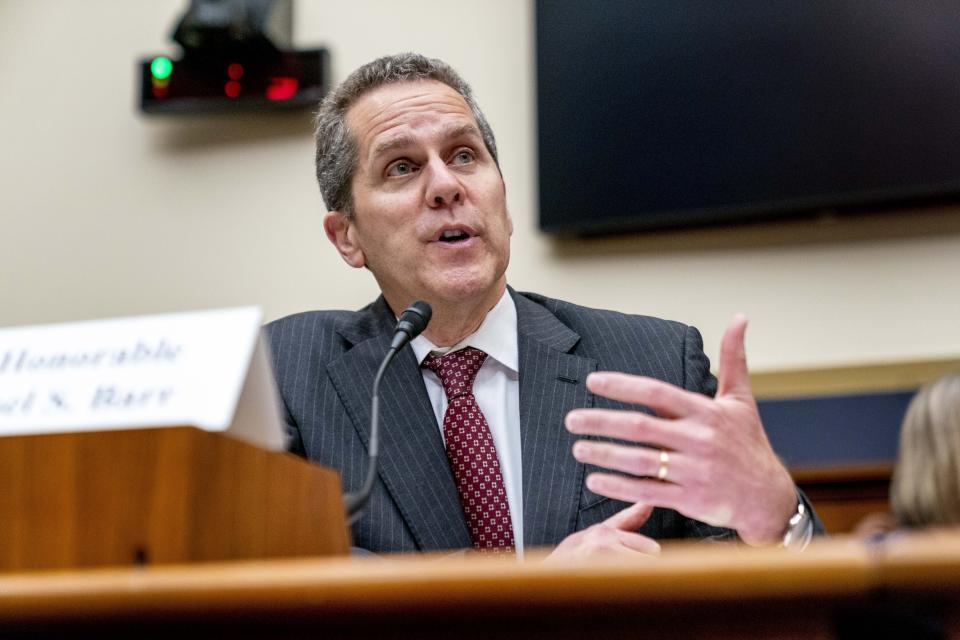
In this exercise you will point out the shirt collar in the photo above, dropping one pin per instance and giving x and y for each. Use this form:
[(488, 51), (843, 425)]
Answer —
[(497, 336)]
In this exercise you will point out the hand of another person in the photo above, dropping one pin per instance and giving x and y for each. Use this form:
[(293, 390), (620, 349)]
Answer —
[(712, 456), (874, 526), (617, 535)]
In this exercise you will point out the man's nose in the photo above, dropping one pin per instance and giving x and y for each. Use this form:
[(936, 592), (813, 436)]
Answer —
[(443, 187)]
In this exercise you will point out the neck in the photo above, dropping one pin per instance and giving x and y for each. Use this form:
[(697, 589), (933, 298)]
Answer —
[(451, 322)]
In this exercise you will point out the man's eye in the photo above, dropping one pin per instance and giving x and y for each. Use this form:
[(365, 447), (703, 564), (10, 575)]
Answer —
[(464, 156), (401, 168)]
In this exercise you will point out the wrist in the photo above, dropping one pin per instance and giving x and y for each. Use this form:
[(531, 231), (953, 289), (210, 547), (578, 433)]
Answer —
[(771, 515), (799, 530)]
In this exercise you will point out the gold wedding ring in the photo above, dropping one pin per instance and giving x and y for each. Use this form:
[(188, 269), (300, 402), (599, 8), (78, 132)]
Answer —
[(664, 461)]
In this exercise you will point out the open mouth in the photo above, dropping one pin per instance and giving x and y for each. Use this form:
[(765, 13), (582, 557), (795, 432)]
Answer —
[(452, 236)]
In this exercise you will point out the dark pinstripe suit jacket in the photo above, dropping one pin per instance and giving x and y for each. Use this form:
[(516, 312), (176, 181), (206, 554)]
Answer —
[(325, 363)]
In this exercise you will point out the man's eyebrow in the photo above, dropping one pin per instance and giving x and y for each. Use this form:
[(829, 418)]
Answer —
[(466, 129), (404, 139), (390, 144)]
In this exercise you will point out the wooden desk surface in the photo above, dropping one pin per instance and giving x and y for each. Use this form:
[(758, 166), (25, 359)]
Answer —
[(691, 590)]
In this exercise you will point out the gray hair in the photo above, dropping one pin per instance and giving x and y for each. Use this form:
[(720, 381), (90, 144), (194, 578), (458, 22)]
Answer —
[(336, 147), (925, 489)]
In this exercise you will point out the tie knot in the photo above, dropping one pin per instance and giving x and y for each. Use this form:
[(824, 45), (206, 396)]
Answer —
[(456, 370)]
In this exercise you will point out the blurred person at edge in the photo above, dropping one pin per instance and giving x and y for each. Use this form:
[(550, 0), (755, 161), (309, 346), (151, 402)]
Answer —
[(925, 488)]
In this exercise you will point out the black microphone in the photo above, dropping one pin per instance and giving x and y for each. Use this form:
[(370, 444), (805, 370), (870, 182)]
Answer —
[(413, 321)]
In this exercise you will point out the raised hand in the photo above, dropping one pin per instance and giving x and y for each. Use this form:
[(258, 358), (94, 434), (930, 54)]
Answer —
[(707, 458)]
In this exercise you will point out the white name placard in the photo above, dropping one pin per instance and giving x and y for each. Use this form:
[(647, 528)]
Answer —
[(206, 369)]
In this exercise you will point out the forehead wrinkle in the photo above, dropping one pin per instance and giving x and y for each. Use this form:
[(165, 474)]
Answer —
[(377, 113), (403, 139)]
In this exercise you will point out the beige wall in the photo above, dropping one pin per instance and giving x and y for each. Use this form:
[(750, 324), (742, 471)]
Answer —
[(106, 212)]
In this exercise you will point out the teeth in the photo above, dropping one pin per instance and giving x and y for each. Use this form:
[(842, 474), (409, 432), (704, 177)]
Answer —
[(452, 233)]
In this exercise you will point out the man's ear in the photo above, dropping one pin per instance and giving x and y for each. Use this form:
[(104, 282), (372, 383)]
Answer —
[(343, 234)]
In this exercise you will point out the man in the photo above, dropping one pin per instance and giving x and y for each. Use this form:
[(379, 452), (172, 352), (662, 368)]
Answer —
[(407, 166)]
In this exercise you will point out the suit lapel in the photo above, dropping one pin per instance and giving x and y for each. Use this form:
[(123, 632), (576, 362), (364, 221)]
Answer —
[(552, 382), (413, 464)]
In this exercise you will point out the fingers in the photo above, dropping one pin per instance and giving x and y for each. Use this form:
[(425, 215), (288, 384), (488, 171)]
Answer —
[(631, 518), (717, 510), (733, 376), (603, 542), (627, 522), (653, 492), (637, 461), (639, 543), (615, 536), (628, 425), (664, 398)]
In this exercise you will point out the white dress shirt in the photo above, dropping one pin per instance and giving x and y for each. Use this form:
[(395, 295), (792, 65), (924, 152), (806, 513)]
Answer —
[(497, 389)]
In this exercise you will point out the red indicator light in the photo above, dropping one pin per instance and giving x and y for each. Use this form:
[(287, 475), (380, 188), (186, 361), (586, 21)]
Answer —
[(282, 88), (235, 71), (159, 92), (232, 89)]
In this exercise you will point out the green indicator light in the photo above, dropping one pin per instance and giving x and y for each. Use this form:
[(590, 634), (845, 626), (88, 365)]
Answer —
[(161, 68)]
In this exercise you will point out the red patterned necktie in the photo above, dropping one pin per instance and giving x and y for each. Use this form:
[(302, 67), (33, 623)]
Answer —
[(472, 454)]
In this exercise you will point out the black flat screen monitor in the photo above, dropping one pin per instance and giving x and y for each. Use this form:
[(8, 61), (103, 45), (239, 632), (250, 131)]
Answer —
[(665, 113)]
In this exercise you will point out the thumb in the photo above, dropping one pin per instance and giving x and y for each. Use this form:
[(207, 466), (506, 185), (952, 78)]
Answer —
[(631, 518), (733, 375)]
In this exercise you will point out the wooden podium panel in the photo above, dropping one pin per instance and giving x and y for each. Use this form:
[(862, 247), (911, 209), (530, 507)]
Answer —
[(690, 592), (839, 588), (154, 496)]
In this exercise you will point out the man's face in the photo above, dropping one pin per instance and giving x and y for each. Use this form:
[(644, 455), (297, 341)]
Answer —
[(430, 216)]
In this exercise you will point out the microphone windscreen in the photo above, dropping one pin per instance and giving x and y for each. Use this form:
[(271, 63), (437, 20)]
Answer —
[(417, 316)]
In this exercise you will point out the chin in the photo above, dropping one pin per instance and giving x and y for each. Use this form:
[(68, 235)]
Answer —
[(464, 287)]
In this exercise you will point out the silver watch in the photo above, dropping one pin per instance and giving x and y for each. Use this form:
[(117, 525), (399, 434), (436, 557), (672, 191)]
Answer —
[(799, 529)]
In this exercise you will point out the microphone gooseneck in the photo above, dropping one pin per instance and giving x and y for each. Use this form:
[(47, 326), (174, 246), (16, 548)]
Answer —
[(412, 322)]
